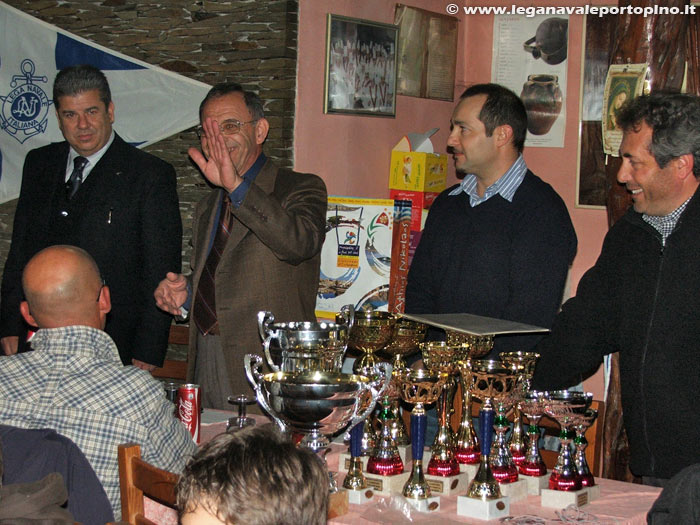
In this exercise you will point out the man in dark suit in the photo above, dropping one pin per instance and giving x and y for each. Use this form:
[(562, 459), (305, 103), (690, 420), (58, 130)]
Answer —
[(257, 240), (118, 203)]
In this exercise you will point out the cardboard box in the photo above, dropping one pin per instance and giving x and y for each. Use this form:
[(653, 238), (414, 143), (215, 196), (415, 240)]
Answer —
[(418, 171), (414, 165), (421, 201)]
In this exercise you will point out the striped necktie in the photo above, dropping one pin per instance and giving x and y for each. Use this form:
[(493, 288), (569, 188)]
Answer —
[(76, 177), (204, 308)]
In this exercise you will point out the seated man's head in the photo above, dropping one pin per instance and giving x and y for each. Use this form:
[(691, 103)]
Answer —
[(253, 476), (63, 287)]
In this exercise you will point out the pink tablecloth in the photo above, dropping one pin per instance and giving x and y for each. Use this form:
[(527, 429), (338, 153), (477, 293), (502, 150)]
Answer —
[(619, 503)]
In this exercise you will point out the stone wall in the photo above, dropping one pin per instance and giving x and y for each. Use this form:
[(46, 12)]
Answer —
[(246, 41)]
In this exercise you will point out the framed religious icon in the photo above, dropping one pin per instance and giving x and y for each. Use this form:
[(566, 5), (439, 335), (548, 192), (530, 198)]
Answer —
[(360, 67), (623, 83)]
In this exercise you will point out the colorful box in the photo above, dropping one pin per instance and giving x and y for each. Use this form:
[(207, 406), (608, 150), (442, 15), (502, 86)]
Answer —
[(418, 171), (421, 201)]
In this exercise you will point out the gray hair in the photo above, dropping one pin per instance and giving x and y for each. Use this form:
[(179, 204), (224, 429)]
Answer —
[(74, 80), (675, 122)]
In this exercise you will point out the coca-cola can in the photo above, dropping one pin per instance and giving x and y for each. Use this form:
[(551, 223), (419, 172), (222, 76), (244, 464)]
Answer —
[(188, 408)]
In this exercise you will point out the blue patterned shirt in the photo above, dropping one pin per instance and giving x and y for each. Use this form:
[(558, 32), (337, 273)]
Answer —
[(506, 185), (74, 382)]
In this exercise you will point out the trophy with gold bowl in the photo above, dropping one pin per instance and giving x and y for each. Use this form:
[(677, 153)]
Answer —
[(305, 346), (419, 388), (406, 337), (466, 449), (532, 405), (440, 356), (523, 364), (317, 404), (581, 424), (372, 330)]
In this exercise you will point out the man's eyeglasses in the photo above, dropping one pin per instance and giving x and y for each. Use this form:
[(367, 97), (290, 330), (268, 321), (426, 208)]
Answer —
[(227, 127), (99, 294)]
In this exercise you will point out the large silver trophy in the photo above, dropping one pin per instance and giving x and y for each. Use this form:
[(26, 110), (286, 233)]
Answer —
[(305, 346), (317, 403)]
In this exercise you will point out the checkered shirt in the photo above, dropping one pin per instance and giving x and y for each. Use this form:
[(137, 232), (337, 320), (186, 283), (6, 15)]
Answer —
[(75, 383), (665, 224)]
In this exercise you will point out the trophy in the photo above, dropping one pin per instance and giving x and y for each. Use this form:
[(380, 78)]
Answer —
[(406, 337), (564, 406), (441, 357), (305, 346), (523, 364), (491, 382), (466, 448), (355, 479), (581, 424), (419, 387), (532, 405), (385, 460), (371, 331), (318, 403)]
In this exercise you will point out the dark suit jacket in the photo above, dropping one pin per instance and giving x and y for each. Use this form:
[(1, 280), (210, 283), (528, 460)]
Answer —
[(126, 215), (271, 261)]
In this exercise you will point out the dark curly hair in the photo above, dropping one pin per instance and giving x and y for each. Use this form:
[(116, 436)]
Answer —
[(675, 122)]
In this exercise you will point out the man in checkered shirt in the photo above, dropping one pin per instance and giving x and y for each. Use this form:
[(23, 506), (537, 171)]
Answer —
[(74, 381)]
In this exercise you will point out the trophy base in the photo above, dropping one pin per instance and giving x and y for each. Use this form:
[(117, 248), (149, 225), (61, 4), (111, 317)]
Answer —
[(447, 485), (337, 503), (469, 469), (558, 499), (593, 492), (516, 491), (535, 484), (360, 497), (387, 485), (424, 505), (489, 509)]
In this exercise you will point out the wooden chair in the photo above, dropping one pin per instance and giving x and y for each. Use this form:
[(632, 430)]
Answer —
[(174, 368), (138, 478)]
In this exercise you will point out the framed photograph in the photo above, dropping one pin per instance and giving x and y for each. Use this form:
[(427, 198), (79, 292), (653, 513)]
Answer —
[(360, 67)]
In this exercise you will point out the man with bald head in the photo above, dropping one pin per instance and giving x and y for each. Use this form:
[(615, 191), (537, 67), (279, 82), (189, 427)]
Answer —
[(74, 381)]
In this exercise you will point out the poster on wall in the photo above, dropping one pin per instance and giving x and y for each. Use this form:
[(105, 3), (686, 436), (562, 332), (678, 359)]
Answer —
[(356, 255), (360, 67), (427, 53), (624, 82), (530, 57)]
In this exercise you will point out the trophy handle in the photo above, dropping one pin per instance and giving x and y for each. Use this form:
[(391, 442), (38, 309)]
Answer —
[(265, 319), (253, 363), (268, 356), (383, 375), (348, 313)]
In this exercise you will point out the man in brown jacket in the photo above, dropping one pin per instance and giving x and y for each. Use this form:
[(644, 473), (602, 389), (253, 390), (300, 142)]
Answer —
[(257, 240)]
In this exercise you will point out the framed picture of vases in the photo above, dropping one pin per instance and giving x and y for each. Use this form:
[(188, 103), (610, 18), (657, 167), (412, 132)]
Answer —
[(360, 76)]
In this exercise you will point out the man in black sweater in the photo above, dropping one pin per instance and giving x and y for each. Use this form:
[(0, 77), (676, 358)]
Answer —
[(500, 243), (641, 298)]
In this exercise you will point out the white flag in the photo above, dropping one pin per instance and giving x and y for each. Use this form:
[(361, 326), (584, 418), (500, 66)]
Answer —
[(150, 102)]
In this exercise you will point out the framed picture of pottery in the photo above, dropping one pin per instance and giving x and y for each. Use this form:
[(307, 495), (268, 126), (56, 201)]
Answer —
[(530, 57), (360, 76), (624, 82)]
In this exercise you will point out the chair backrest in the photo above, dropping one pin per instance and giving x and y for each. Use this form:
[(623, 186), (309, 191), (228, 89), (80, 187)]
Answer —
[(174, 368), (138, 478)]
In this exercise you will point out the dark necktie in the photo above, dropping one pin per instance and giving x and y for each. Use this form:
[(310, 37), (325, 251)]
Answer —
[(204, 308), (76, 178)]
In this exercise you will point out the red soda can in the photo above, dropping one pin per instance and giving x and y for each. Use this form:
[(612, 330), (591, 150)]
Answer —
[(188, 409)]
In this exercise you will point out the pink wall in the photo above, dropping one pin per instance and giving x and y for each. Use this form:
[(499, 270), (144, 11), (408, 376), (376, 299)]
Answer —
[(351, 153)]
